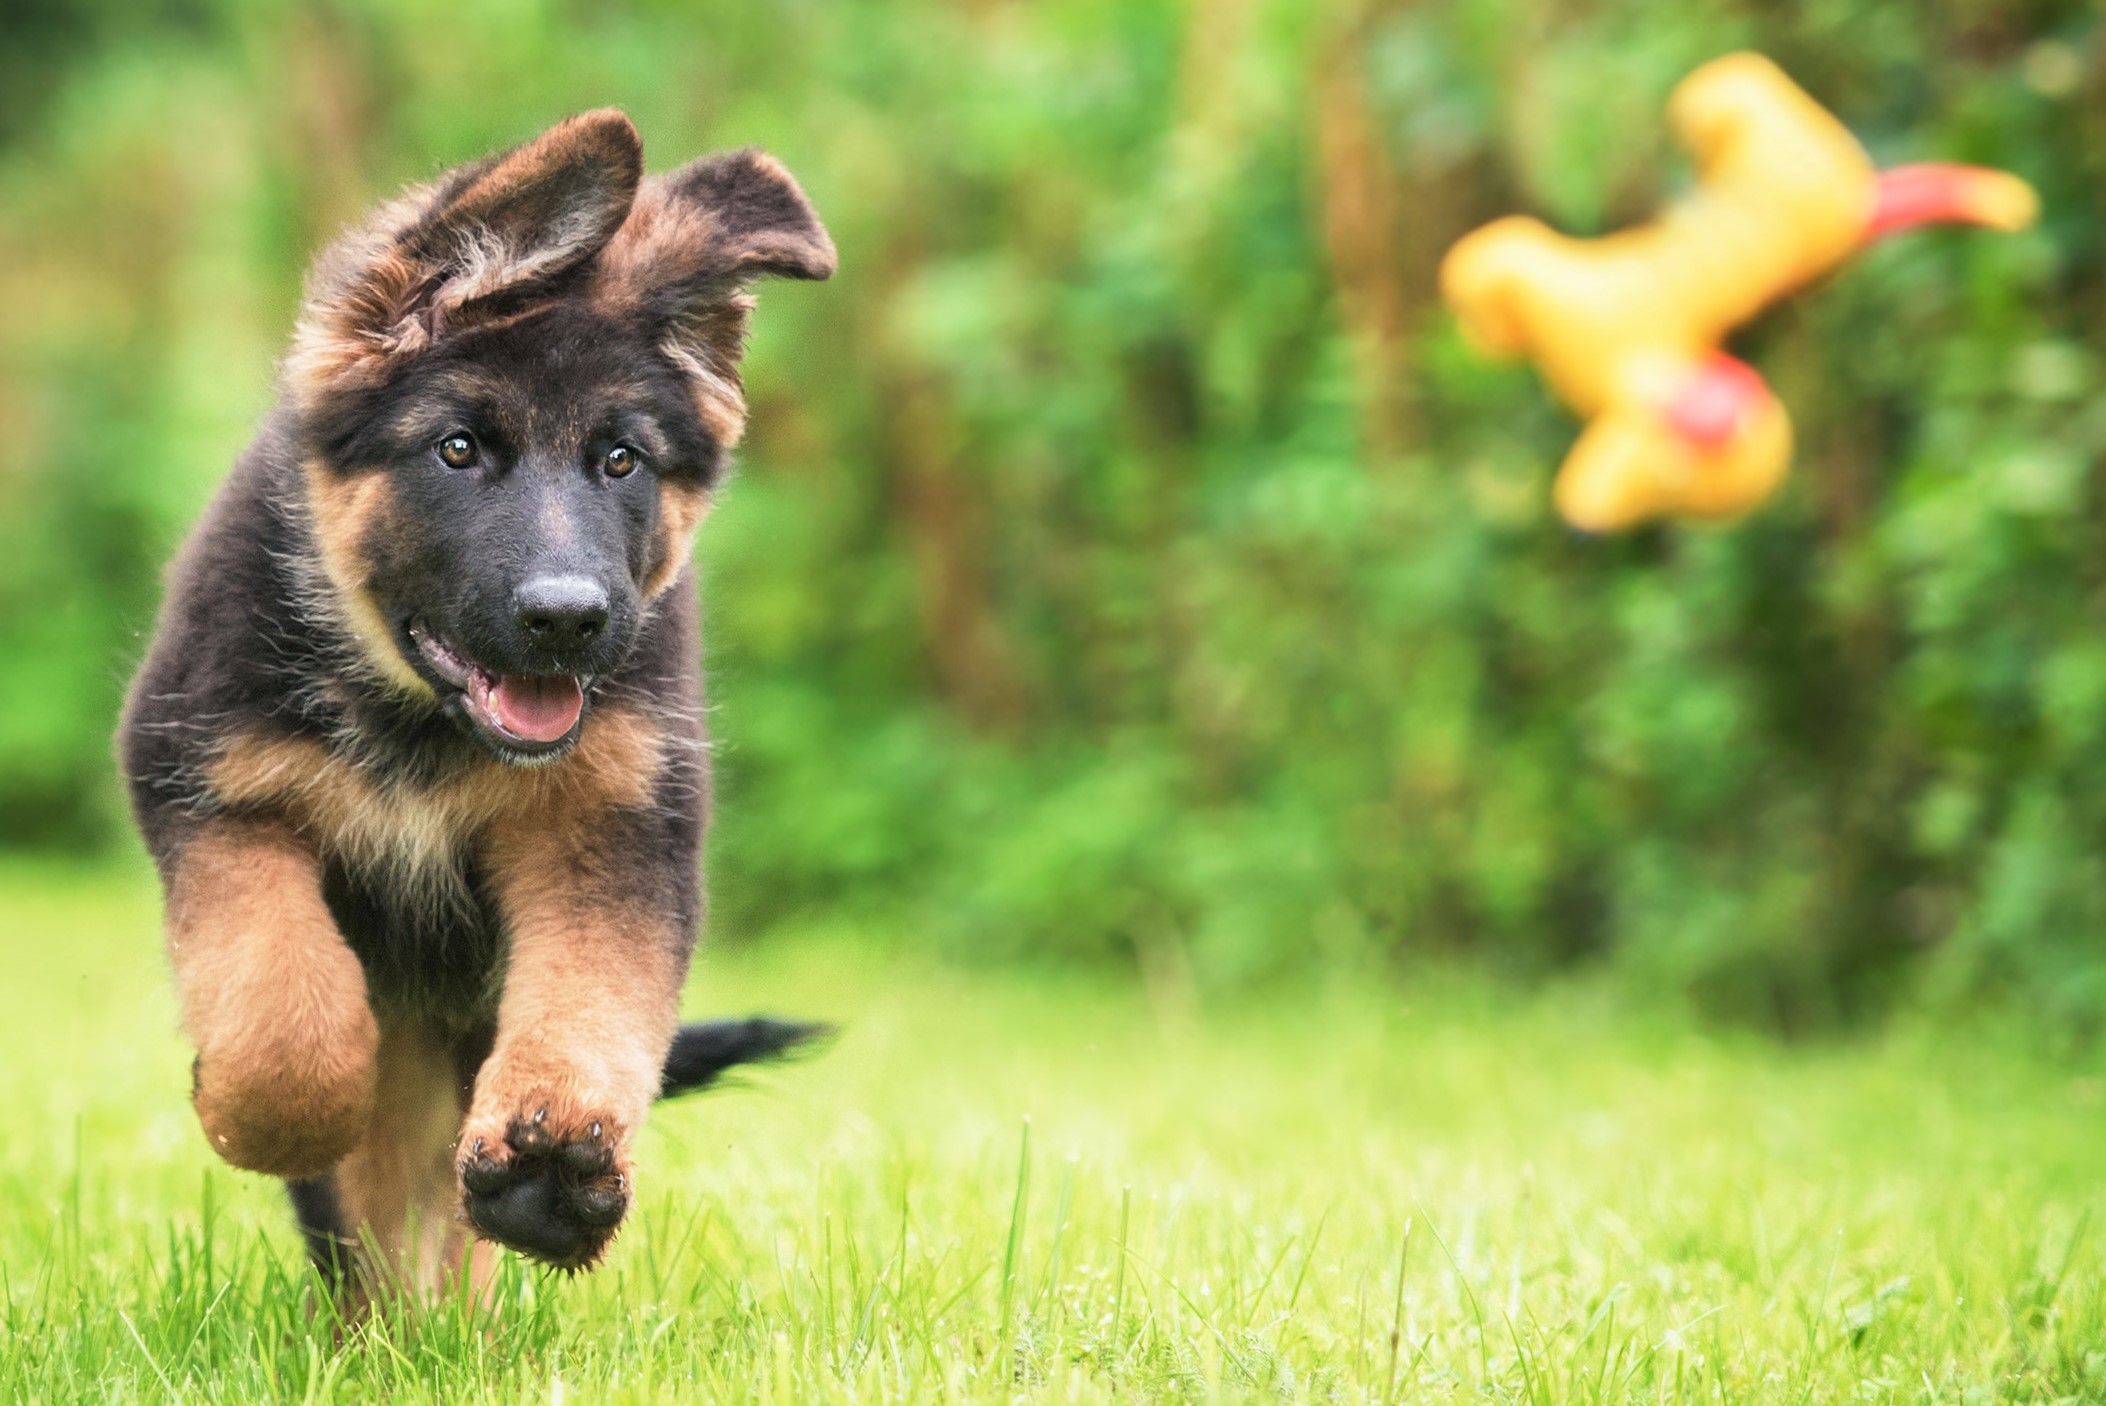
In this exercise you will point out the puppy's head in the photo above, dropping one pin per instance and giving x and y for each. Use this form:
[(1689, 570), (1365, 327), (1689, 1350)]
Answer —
[(516, 390)]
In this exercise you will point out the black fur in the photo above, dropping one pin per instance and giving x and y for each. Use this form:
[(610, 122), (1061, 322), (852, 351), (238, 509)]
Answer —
[(322, 1226), (702, 1052)]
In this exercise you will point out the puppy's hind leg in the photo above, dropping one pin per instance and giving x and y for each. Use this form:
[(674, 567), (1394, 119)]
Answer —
[(320, 1216), (394, 1195)]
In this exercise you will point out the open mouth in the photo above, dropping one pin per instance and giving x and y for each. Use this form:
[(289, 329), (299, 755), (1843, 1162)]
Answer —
[(526, 715)]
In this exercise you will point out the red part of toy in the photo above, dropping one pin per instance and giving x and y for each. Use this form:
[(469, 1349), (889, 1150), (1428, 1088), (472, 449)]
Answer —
[(1940, 192), (1720, 396)]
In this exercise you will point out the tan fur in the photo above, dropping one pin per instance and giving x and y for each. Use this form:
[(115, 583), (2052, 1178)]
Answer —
[(397, 1185), (345, 510), (417, 269), (672, 240), (272, 998), (357, 317), (418, 830), (663, 239), (592, 992), (706, 347), (681, 508)]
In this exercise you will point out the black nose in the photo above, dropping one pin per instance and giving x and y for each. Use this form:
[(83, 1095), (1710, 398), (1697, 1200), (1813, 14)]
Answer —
[(561, 612)]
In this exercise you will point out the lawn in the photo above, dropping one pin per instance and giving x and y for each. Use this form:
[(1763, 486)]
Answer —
[(1003, 1186)]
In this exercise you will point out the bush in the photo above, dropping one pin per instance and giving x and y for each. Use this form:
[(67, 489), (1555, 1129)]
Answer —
[(1128, 560)]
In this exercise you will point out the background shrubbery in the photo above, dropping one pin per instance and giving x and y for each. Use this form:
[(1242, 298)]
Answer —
[(1128, 562)]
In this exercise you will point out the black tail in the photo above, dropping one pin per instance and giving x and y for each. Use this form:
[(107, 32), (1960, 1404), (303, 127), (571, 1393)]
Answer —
[(704, 1050)]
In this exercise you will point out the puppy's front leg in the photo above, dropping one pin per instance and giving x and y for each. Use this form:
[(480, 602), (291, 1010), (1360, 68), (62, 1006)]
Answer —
[(272, 998), (600, 935)]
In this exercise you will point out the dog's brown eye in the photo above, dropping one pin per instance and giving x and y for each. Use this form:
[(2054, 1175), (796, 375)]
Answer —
[(457, 451), (620, 460)]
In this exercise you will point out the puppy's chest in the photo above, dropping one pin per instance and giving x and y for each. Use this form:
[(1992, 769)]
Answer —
[(425, 931), (413, 831)]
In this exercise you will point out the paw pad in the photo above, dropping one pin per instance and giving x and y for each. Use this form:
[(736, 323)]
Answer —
[(555, 1199)]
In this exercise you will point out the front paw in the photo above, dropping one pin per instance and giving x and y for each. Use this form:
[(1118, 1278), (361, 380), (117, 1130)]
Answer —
[(552, 1190)]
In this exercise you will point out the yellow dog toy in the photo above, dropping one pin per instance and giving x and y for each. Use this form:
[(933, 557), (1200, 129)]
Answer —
[(1627, 329)]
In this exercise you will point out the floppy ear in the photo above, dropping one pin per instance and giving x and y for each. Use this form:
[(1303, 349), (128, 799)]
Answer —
[(696, 237), (469, 248)]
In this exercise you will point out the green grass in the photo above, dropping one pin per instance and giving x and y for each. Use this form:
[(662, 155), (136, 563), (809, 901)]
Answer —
[(1003, 1187)]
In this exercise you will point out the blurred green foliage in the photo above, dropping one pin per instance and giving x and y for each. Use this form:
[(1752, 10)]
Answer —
[(1128, 561)]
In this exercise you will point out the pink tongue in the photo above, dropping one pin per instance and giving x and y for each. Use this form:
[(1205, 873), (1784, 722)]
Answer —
[(537, 709)]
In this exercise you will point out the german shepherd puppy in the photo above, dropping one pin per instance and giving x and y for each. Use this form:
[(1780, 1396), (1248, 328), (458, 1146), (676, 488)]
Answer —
[(418, 745)]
